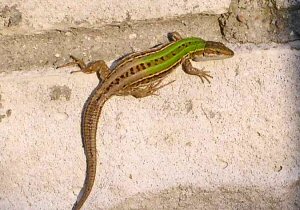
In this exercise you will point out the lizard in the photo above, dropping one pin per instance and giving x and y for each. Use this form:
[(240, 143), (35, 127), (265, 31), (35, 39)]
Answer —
[(138, 74)]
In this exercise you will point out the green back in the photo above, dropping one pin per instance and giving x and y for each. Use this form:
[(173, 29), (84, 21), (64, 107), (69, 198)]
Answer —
[(172, 54)]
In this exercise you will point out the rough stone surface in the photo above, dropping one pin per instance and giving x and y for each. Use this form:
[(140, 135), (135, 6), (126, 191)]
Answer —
[(287, 3), (260, 22), (45, 14), (231, 144), (21, 52), (10, 16)]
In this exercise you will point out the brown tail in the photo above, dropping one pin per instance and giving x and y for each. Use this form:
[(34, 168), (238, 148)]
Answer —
[(90, 116)]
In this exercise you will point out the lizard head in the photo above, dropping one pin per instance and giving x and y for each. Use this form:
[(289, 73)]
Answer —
[(212, 51)]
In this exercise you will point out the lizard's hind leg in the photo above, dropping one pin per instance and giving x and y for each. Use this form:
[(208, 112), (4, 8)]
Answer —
[(145, 89), (149, 90)]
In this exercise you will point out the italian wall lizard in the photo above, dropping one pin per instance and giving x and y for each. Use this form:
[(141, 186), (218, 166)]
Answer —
[(140, 75)]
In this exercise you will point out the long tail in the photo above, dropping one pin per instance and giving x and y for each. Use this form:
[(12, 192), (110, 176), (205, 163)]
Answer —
[(90, 117)]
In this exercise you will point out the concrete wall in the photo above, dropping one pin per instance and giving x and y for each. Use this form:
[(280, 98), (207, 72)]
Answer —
[(231, 144)]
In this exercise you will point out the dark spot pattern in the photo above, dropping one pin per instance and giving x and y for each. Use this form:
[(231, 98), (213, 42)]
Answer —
[(143, 66), (137, 68), (132, 70), (117, 80), (158, 60), (110, 86), (58, 92)]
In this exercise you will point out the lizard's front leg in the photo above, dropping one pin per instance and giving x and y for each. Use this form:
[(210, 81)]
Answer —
[(189, 69), (98, 66)]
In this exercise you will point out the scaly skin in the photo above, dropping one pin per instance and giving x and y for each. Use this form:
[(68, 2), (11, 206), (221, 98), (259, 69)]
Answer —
[(139, 75)]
